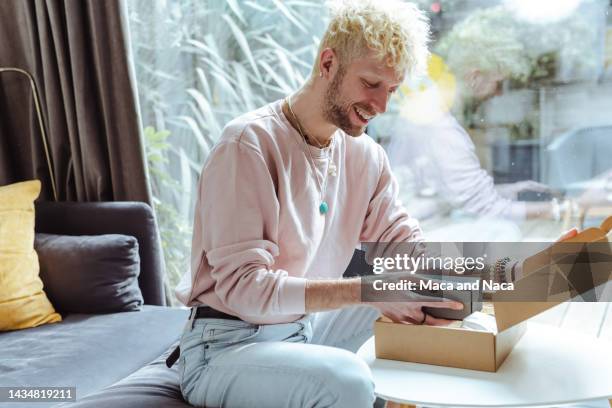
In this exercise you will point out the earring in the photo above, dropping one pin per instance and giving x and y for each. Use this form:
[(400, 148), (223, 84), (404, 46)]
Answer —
[(320, 74)]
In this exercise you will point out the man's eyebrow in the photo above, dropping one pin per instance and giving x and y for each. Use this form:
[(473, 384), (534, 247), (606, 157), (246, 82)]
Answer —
[(377, 80), (377, 76), (370, 77), (394, 85)]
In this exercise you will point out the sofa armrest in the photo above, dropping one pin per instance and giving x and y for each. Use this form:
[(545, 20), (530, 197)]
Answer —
[(96, 218)]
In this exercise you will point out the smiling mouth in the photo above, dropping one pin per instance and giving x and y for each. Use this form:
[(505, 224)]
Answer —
[(363, 115)]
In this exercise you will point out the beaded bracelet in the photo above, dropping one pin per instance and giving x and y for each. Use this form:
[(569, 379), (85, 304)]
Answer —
[(500, 270)]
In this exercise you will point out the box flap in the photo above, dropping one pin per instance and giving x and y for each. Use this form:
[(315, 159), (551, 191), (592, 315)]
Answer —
[(594, 233), (606, 226), (589, 235), (508, 313)]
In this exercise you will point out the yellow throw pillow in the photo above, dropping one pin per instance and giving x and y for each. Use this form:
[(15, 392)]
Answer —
[(23, 303)]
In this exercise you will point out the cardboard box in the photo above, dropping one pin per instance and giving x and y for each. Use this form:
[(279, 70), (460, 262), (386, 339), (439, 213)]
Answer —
[(447, 346), (464, 348)]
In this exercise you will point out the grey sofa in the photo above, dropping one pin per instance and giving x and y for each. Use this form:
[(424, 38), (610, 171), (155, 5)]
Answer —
[(113, 360)]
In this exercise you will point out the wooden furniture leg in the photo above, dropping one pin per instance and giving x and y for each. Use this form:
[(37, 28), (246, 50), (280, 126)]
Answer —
[(390, 404)]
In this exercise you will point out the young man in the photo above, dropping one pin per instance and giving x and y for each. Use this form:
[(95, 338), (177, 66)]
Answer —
[(285, 197)]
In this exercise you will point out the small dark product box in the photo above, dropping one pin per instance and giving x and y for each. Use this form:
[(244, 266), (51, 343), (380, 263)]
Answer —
[(471, 299)]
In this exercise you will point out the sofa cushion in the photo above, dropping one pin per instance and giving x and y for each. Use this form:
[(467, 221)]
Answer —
[(117, 217), (90, 274), (88, 352), (23, 302)]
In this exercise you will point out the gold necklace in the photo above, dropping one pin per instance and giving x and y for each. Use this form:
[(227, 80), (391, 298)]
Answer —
[(331, 166), (302, 133), (323, 206)]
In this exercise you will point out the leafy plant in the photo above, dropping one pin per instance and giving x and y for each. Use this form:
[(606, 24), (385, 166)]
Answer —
[(174, 230), (524, 130), (267, 52)]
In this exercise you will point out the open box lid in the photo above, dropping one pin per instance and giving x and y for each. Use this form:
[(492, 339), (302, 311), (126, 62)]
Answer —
[(508, 313)]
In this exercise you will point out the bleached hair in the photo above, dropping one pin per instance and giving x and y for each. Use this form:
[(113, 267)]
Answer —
[(487, 40), (396, 31)]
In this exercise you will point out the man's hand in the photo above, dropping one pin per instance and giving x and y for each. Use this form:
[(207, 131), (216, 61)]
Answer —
[(400, 297), (412, 312), (334, 294), (567, 235), (512, 190)]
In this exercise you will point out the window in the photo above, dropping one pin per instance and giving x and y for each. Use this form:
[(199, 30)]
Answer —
[(516, 90), (198, 65)]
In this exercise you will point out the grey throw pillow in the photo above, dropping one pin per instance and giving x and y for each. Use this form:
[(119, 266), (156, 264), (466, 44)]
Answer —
[(90, 273)]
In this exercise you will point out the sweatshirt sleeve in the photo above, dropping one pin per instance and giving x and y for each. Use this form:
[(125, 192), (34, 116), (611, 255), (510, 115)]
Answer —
[(386, 219), (465, 184), (240, 212)]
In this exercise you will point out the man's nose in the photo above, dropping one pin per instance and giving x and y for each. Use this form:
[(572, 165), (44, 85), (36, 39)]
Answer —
[(380, 101)]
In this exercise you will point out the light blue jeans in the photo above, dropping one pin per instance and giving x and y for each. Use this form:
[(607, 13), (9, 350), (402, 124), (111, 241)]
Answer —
[(306, 363)]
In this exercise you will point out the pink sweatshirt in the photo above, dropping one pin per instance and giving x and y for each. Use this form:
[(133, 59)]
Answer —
[(258, 235)]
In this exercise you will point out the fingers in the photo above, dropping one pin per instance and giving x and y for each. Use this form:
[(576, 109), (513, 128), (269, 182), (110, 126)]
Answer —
[(569, 234), (443, 304), (435, 321), (412, 312), (400, 312), (422, 318), (535, 186), (395, 318), (391, 316), (434, 300)]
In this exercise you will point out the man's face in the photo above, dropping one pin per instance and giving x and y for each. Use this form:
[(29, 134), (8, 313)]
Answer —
[(484, 85), (358, 92)]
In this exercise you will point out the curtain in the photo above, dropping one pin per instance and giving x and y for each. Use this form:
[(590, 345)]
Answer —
[(78, 52)]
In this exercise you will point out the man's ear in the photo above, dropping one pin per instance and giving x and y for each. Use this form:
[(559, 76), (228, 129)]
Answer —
[(328, 63), (473, 76)]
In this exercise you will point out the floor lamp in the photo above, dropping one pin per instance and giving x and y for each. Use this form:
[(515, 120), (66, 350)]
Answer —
[(43, 133)]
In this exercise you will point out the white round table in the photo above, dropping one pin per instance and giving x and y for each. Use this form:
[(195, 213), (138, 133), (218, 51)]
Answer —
[(548, 367)]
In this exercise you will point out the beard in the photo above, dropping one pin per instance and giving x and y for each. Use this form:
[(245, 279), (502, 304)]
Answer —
[(336, 110)]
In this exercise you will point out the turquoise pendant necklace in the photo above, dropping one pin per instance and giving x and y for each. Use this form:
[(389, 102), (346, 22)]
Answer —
[(323, 208), (330, 167)]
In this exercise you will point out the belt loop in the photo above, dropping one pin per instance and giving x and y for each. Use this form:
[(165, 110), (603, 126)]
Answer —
[(192, 316)]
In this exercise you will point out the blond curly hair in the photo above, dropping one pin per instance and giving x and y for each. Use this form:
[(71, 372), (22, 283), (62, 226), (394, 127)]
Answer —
[(397, 32), (487, 40)]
